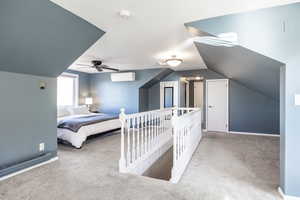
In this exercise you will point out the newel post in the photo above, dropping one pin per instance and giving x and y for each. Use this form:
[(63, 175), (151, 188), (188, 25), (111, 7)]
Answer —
[(122, 161)]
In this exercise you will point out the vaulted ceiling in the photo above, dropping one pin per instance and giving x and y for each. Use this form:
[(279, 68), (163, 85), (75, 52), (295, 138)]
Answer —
[(154, 31)]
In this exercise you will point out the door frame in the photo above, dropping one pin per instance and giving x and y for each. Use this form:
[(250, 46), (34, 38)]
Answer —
[(206, 101), (201, 94), (173, 84)]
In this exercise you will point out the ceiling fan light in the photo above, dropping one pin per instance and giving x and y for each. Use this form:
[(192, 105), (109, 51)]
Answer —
[(174, 62)]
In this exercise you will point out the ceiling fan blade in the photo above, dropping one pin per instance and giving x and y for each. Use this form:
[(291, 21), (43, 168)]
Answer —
[(85, 65), (109, 68), (98, 68)]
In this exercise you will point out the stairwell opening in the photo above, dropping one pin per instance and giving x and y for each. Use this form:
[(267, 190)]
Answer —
[(162, 168)]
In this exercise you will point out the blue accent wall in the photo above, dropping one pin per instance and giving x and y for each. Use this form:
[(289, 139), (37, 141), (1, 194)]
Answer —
[(273, 32), (39, 37), (28, 117), (112, 96)]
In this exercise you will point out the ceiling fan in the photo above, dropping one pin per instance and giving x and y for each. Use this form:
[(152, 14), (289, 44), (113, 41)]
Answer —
[(99, 66)]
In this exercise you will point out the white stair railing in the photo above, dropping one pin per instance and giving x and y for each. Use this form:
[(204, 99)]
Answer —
[(187, 134), (144, 138)]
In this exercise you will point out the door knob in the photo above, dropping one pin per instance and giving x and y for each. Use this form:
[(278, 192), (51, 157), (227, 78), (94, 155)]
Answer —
[(210, 106)]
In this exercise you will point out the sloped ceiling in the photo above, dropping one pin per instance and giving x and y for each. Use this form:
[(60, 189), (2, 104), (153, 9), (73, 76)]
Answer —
[(272, 32), (267, 41), (253, 70), (40, 38)]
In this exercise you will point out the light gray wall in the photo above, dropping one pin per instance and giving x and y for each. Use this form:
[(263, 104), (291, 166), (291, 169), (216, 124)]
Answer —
[(273, 32), (38, 37), (249, 110), (28, 117)]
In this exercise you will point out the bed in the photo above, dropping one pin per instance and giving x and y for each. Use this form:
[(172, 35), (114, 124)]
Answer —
[(74, 125)]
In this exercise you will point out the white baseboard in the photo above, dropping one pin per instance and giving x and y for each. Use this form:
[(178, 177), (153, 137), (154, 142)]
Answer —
[(287, 197), (257, 134), (29, 168)]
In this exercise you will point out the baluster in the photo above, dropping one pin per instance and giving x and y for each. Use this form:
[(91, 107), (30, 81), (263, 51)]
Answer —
[(146, 133), (151, 131), (133, 140), (138, 137), (179, 143), (181, 133), (122, 162), (142, 135), (155, 133), (160, 123), (183, 141), (128, 142)]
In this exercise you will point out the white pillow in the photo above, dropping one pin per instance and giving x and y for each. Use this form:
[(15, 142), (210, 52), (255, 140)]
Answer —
[(63, 112), (80, 110)]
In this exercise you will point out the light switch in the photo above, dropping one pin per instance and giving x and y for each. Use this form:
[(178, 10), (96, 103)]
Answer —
[(297, 99)]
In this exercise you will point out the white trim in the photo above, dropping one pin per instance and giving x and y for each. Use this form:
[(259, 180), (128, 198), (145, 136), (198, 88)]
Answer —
[(204, 130), (206, 98), (287, 197), (258, 134), (29, 168)]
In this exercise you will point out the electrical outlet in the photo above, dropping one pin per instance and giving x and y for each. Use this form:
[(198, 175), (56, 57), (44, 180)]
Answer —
[(42, 147)]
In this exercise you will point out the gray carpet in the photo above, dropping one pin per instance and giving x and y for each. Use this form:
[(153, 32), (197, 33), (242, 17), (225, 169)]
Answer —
[(223, 167)]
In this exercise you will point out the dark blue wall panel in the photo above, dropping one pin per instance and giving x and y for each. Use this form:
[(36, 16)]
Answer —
[(28, 117), (38, 37)]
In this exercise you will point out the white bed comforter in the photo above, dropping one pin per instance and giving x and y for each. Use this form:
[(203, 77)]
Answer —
[(77, 139)]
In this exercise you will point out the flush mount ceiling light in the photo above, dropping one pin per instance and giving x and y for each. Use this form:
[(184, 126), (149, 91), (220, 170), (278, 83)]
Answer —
[(174, 61)]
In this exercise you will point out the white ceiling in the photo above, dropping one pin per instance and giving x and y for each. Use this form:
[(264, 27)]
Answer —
[(154, 31)]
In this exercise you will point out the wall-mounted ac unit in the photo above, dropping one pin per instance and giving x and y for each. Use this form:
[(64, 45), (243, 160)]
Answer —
[(118, 77)]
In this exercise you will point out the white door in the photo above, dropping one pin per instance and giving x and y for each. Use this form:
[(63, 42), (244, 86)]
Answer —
[(198, 94), (217, 105)]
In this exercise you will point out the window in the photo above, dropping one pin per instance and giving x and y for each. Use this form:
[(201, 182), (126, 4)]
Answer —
[(67, 90)]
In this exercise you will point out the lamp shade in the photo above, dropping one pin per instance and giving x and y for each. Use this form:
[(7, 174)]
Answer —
[(88, 100)]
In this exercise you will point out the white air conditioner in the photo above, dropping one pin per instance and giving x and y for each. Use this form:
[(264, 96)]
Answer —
[(118, 77)]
